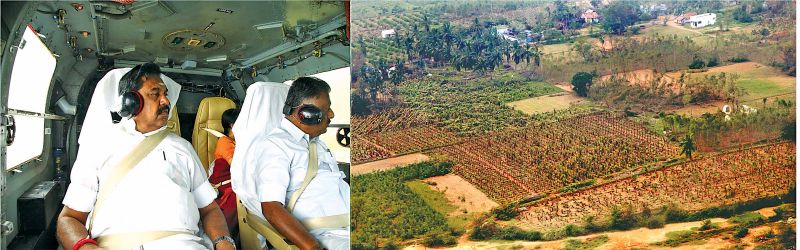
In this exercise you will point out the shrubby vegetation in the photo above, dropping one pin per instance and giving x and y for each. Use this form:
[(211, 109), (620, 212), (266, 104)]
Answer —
[(624, 218), (384, 210), (715, 131), (473, 105), (662, 92)]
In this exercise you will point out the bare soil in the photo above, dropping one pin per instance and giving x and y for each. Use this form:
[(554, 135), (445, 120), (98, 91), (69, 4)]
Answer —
[(547, 103), (461, 194), (387, 164)]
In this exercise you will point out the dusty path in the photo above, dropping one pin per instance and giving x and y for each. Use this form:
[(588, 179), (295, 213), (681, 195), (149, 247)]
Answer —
[(387, 164)]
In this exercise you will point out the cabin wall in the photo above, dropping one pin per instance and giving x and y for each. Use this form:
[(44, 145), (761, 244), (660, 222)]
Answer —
[(312, 65), (69, 76), (32, 173)]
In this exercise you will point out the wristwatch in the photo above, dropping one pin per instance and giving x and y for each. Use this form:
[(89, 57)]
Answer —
[(225, 238)]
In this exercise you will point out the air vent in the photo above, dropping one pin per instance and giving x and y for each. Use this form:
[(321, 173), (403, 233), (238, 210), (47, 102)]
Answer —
[(177, 40), (194, 42)]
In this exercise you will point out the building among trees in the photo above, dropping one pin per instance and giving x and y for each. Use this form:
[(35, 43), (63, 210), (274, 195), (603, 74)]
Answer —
[(702, 20)]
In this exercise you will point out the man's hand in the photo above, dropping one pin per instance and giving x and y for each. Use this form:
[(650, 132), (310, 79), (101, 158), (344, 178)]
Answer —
[(317, 246), (224, 245), (215, 225), (288, 226), (71, 227)]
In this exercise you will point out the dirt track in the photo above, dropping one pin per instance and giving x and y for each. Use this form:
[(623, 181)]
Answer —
[(387, 164), (456, 189)]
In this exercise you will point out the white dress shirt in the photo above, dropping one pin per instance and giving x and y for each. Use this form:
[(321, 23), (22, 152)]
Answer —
[(278, 163), (161, 193)]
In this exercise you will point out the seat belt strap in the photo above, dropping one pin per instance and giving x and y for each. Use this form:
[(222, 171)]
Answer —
[(120, 171), (130, 240), (216, 186), (265, 229), (333, 221), (311, 171)]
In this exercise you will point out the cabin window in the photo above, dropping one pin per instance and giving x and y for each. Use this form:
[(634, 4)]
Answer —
[(29, 86)]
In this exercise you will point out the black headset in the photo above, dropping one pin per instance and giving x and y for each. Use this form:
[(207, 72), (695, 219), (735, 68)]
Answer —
[(132, 101), (307, 114)]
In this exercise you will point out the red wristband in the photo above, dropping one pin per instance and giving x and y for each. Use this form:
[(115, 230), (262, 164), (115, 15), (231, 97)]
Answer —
[(84, 241)]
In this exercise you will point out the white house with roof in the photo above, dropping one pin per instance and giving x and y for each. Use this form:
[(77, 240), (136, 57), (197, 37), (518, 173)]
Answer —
[(505, 33), (388, 33), (590, 16), (702, 20)]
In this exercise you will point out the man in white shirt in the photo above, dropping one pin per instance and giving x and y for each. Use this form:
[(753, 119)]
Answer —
[(160, 201), (279, 162)]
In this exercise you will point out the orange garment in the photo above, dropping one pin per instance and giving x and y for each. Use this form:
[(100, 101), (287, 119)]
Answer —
[(226, 198), (224, 149)]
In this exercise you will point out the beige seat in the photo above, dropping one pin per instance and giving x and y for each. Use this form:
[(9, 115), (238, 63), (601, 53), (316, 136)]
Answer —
[(173, 124), (260, 113), (209, 116), (250, 226)]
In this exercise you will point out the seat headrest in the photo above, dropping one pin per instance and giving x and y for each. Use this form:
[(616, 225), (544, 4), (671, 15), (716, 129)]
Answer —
[(104, 99), (261, 112)]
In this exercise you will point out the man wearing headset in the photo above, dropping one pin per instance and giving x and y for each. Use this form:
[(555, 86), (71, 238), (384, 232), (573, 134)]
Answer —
[(305, 213), (158, 202)]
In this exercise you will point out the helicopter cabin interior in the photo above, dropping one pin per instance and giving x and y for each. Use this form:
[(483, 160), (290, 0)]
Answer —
[(54, 53)]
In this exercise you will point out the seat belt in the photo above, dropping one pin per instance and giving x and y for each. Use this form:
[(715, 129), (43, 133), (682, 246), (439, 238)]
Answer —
[(108, 186), (130, 240), (333, 221), (311, 172), (266, 229)]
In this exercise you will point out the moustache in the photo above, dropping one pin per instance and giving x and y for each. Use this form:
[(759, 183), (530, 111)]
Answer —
[(163, 108)]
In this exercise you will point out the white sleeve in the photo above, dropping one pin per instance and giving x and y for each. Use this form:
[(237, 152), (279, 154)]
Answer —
[(82, 191), (203, 193), (272, 172)]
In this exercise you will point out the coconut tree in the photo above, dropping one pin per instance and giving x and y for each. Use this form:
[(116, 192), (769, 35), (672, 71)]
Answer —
[(687, 146)]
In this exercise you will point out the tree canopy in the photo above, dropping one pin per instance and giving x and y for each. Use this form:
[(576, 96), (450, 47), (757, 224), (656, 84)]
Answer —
[(619, 15), (581, 82)]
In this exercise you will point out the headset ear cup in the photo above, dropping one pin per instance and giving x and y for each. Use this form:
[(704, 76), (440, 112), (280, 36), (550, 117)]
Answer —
[(287, 110), (309, 114), (132, 104), (140, 102)]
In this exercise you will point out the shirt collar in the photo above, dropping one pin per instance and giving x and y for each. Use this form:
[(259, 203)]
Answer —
[(293, 130), (129, 126)]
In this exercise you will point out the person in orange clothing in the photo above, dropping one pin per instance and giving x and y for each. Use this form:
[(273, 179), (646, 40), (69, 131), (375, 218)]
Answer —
[(226, 144), (220, 177)]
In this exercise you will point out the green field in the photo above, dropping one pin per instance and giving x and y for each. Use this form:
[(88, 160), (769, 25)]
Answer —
[(468, 104), (759, 88), (758, 80), (439, 202), (555, 48), (386, 210), (434, 199), (668, 31)]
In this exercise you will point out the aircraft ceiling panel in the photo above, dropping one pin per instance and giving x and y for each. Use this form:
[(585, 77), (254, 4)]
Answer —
[(203, 30)]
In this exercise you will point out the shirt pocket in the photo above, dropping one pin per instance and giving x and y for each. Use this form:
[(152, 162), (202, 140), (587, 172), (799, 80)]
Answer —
[(327, 162), (174, 165)]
